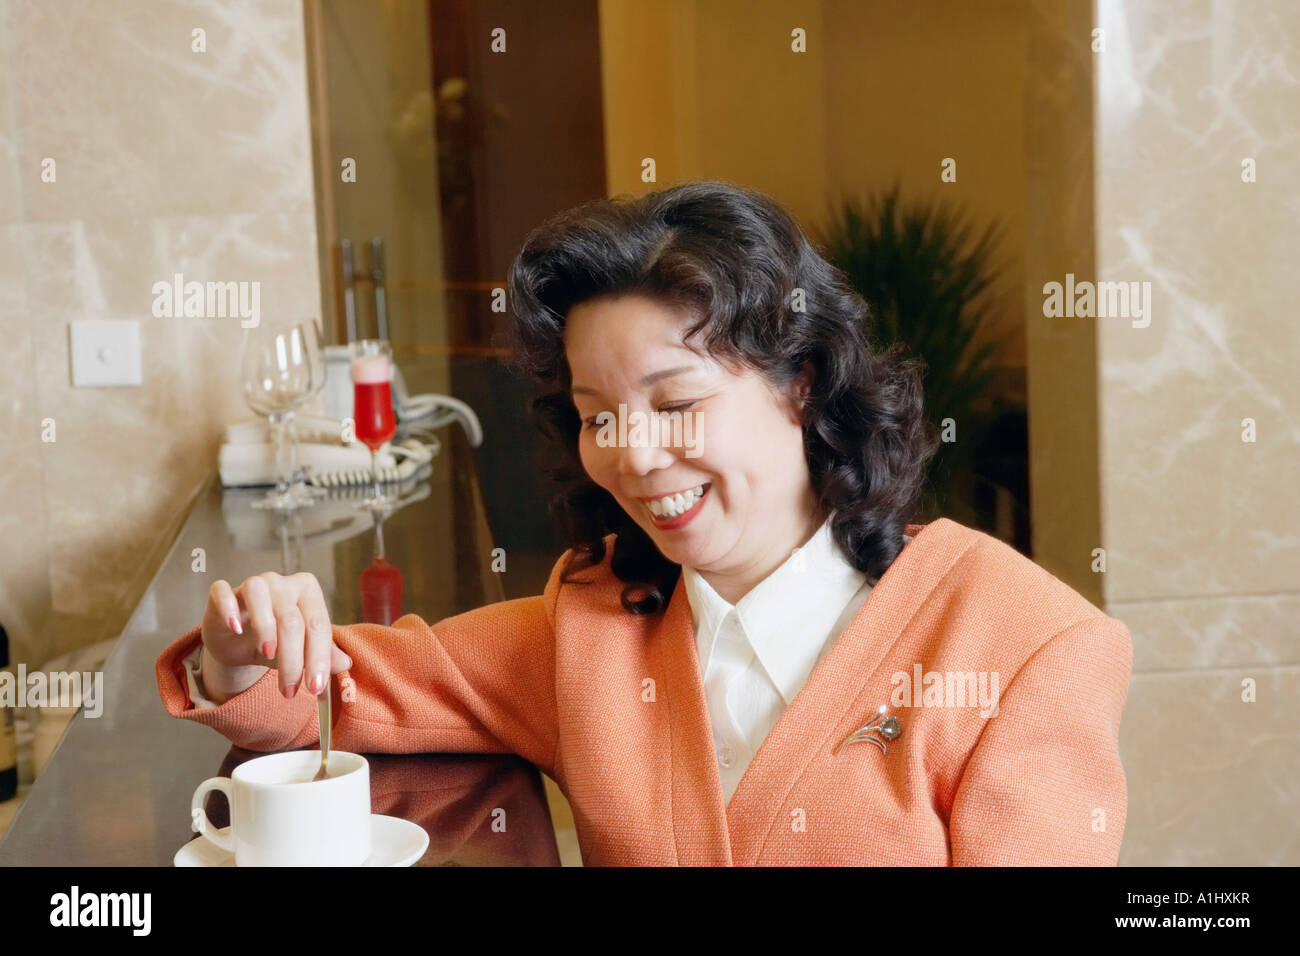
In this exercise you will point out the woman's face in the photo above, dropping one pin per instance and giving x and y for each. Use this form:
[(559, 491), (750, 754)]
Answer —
[(745, 449)]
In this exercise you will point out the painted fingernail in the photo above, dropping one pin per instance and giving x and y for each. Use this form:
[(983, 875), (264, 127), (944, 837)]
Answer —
[(290, 691), (267, 648), (317, 682), (234, 624)]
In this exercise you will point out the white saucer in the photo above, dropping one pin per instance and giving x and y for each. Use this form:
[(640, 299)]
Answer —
[(393, 842)]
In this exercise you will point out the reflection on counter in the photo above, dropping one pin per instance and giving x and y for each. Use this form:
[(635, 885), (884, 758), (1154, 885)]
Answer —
[(381, 583), (332, 519)]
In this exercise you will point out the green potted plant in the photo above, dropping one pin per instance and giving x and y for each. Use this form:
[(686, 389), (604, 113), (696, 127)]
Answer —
[(928, 279)]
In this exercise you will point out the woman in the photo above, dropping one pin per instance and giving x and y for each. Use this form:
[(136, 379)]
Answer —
[(746, 655)]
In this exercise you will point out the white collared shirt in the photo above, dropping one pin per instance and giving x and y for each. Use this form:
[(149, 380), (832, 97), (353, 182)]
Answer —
[(755, 656)]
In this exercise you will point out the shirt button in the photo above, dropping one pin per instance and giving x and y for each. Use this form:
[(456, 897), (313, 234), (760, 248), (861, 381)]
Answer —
[(726, 757)]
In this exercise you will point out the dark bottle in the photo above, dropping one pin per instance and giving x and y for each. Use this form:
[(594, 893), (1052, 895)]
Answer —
[(8, 743)]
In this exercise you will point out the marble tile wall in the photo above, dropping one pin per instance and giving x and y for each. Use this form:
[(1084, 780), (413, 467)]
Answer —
[(167, 160), (1202, 529)]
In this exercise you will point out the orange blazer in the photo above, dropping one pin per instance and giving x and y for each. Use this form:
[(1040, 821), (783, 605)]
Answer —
[(611, 706)]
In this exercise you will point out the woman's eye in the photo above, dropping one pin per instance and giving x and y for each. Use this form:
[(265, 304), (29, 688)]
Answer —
[(589, 423)]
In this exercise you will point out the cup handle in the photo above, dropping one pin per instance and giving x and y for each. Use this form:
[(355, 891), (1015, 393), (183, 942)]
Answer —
[(199, 817)]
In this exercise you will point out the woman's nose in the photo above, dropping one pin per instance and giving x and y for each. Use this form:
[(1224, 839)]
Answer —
[(639, 458)]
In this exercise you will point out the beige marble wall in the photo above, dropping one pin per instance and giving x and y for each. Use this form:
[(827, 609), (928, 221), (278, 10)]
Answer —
[(1201, 529), (167, 160)]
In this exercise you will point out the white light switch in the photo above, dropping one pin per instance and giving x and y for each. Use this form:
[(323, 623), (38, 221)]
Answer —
[(105, 352)]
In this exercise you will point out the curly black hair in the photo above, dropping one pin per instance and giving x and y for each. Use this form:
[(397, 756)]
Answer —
[(763, 297)]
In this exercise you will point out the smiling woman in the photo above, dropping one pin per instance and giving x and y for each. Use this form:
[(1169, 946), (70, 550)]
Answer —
[(708, 296), (725, 627)]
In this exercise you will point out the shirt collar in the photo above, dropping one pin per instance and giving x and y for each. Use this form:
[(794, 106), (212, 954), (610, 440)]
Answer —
[(787, 617)]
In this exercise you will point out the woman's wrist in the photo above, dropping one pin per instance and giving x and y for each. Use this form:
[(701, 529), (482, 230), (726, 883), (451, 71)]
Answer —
[(220, 683)]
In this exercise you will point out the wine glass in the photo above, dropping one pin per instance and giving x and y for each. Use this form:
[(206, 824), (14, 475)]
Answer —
[(372, 407), (275, 370), (315, 346)]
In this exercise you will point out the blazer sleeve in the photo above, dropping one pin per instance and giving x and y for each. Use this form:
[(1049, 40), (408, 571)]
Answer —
[(1044, 785), (478, 682)]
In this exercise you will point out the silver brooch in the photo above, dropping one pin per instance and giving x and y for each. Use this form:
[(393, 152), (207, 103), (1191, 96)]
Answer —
[(888, 727)]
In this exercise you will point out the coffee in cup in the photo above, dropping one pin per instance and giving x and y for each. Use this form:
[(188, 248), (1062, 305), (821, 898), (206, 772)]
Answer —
[(281, 816)]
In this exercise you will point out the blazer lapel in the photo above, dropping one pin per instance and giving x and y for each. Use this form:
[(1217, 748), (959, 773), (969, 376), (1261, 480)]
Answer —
[(822, 713), (699, 815)]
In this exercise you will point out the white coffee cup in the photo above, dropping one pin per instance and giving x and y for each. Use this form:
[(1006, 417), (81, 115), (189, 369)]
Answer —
[(276, 820)]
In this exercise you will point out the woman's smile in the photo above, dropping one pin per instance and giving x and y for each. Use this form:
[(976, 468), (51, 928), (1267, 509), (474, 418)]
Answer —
[(673, 511)]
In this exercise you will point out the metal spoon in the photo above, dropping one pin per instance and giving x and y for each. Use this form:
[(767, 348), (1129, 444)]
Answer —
[(323, 712)]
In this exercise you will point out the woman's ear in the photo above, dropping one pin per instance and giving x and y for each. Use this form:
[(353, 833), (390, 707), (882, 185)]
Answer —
[(799, 390)]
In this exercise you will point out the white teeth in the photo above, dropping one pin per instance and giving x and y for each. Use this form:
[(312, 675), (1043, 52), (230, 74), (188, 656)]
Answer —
[(670, 506)]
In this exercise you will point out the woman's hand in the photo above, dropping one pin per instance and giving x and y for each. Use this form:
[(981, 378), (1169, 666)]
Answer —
[(268, 621)]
